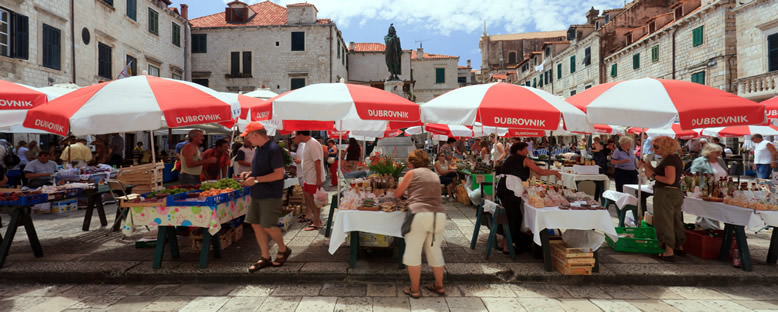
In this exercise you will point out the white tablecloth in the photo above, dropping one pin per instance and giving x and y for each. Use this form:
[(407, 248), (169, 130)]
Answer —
[(769, 217), (722, 212), (621, 199), (633, 189), (537, 219), (570, 180), (378, 222)]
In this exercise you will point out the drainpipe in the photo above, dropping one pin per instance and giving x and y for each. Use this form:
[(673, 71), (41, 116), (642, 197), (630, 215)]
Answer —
[(73, 41), (674, 31), (330, 39)]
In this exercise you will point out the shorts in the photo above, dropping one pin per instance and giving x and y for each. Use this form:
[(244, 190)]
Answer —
[(309, 188), (264, 211)]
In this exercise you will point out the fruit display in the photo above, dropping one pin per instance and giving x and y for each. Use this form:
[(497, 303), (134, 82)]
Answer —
[(541, 195), (215, 191), (481, 168), (221, 184)]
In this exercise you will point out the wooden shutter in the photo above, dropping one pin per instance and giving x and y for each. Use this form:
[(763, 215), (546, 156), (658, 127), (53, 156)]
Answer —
[(247, 63), (572, 64), (440, 75), (614, 70), (636, 61), (19, 36), (132, 9), (772, 52), (234, 64), (559, 71), (51, 47), (697, 36)]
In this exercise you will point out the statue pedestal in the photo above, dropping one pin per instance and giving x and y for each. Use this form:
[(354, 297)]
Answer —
[(395, 86)]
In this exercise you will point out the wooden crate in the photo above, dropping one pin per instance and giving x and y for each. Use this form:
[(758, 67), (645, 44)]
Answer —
[(571, 261), (143, 177)]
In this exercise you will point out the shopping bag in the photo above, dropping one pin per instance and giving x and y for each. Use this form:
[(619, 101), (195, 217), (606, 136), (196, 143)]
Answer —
[(320, 198)]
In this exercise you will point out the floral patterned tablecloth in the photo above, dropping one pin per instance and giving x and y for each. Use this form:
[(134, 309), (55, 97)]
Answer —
[(197, 216)]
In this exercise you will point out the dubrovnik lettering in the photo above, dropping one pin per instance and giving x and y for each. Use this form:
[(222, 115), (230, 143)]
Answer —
[(198, 118), (772, 113), (15, 104), (387, 113), (519, 121), (722, 120), (262, 115), (50, 126)]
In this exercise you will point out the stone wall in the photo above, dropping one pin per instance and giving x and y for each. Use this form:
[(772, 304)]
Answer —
[(755, 21), (425, 88), (274, 64), (371, 66)]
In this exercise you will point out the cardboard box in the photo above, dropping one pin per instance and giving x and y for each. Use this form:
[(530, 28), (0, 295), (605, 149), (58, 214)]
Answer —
[(372, 240), (64, 206)]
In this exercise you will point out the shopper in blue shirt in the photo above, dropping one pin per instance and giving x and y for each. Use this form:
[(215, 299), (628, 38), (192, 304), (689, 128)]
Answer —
[(623, 160)]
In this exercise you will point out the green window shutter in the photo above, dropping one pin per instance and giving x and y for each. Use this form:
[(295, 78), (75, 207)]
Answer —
[(614, 70), (440, 75), (572, 64), (132, 8), (697, 36), (153, 22), (636, 61), (655, 53), (559, 71), (541, 80), (176, 37), (535, 82), (699, 77)]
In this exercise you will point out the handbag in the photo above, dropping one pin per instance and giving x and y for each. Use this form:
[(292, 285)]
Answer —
[(406, 226), (330, 160)]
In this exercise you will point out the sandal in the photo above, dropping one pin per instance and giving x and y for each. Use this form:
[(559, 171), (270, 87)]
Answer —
[(281, 257), (303, 219), (312, 228), (260, 264), (434, 289), (410, 293)]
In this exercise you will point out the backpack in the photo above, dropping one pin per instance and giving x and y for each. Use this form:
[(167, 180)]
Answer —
[(11, 160)]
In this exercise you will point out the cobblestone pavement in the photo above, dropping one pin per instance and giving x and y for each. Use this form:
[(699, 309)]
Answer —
[(339, 296)]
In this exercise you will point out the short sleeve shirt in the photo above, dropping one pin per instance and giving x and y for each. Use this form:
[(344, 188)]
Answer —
[(36, 166), (311, 154), (674, 161), (621, 155), (267, 158)]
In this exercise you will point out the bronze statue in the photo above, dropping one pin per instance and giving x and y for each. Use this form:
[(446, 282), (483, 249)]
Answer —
[(393, 53)]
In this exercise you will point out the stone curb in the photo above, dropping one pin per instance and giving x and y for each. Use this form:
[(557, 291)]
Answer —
[(141, 272)]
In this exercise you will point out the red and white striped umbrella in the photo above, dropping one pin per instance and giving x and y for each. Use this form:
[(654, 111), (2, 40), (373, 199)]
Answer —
[(441, 129), (740, 131), (504, 105), (136, 103), (674, 132), (525, 133), (657, 103), (16, 99), (771, 106)]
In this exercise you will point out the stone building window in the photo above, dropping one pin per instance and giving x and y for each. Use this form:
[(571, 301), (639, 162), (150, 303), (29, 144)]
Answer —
[(697, 36), (298, 41), (108, 2), (201, 81), (614, 70), (14, 34), (772, 52), (540, 84), (153, 70), (587, 56), (699, 77), (104, 61), (628, 38), (51, 47), (559, 71), (176, 37), (176, 76), (512, 58), (132, 9), (636, 61), (678, 12), (651, 27), (547, 52), (199, 43), (655, 53), (234, 64), (572, 64), (440, 75), (338, 49), (153, 22), (572, 93), (296, 83), (247, 63), (133, 64)]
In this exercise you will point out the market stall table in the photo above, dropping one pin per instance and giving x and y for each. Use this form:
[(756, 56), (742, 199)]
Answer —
[(539, 220), (735, 220), (646, 190), (571, 180), (95, 201), (355, 221), (770, 219), (167, 217)]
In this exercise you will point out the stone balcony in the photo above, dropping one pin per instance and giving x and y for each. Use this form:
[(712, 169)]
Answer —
[(758, 87)]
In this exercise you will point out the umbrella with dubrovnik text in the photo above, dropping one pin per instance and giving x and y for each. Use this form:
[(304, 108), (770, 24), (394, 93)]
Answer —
[(136, 103)]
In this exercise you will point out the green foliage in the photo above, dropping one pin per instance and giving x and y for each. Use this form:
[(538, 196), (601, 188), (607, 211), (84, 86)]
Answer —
[(385, 165), (221, 184)]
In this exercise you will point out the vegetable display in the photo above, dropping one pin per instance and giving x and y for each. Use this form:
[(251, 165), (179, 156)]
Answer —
[(221, 184)]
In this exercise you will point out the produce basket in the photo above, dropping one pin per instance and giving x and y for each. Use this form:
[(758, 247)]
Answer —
[(183, 200), (642, 240)]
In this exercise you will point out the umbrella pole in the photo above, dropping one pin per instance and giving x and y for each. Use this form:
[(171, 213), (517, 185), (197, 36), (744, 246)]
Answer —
[(153, 158), (640, 185), (340, 136)]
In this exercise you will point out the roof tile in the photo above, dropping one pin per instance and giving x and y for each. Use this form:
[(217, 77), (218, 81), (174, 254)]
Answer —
[(367, 47), (267, 13), (414, 55)]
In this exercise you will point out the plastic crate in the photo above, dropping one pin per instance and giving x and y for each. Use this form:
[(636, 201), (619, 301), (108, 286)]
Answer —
[(705, 244), (643, 241), (26, 200), (212, 201)]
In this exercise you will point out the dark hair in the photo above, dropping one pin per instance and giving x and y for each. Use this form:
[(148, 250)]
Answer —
[(715, 139), (756, 136), (304, 133), (451, 140), (44, 153), (518, 147), (235, 149), (220, 142), (330, 141), (352, 143)]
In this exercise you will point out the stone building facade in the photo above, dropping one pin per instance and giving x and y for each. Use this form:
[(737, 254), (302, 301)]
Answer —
[(106, 35), (757, 53), (433, 74), (367, 65), (503, 54), (465, 75), (266, 45)]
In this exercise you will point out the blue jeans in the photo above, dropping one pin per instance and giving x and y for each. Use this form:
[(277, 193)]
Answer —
[(763, 171)]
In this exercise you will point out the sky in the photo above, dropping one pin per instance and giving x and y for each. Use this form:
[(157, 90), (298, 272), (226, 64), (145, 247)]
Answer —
[(450, 27)]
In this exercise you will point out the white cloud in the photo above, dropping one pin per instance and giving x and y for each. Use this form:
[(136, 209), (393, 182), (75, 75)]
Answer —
[(443, 17)]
